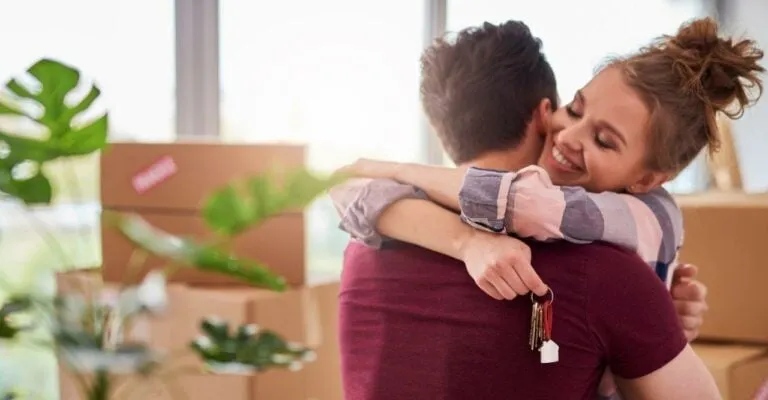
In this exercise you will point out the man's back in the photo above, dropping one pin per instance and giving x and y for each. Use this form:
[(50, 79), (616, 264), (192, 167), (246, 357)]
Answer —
[(415, 326)]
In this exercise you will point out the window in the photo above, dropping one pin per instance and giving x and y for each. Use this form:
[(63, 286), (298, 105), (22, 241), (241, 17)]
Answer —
[(128, 49), (578, 36), (340, 76), (135, 70)]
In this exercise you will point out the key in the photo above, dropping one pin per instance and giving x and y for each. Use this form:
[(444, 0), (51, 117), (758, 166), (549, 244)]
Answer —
[(534, 335)]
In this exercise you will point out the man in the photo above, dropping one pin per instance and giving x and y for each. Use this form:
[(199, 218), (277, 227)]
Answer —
[(414, 326)]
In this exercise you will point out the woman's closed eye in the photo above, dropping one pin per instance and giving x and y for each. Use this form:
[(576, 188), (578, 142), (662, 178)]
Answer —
[(571, 112), (603, 141)]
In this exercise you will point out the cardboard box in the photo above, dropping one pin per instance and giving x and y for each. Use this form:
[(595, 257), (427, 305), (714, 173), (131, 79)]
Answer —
[(200, 167), (726, 235), (189, 386), (324, 375), (307, 315), (167, 184), (739, 371)]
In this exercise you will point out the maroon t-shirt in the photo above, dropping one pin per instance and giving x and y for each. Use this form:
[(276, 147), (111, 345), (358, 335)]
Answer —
[(414, 326)]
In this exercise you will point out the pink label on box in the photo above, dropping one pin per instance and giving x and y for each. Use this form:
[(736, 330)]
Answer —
[(154, 175)]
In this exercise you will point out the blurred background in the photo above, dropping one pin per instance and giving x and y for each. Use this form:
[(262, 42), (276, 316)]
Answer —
[(339, 75)]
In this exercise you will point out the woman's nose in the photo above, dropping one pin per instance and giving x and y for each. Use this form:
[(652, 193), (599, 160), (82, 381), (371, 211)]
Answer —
[(571, 138)]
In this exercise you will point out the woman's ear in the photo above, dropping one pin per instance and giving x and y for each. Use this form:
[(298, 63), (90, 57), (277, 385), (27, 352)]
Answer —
[(648, 182)]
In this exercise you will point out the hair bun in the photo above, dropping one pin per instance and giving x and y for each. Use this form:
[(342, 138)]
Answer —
[(721, 71)]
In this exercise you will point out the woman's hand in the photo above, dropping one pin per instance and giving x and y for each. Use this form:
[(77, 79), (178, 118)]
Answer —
[(690, 297), (501, 266)]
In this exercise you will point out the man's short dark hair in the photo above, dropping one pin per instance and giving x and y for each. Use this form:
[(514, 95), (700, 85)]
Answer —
[(480, 90)]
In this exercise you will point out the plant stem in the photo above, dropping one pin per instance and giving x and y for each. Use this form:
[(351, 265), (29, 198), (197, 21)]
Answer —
[(133, 268), (100, 388)]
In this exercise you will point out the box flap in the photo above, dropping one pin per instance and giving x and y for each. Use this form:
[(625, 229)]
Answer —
[(181, 175), (739, 370), (723, 357), (723, 199)]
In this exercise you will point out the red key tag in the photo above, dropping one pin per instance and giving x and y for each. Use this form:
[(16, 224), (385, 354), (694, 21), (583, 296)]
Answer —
[(548, 349)]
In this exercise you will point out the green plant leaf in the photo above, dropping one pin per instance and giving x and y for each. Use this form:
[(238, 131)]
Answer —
[(35, 190), (8, 329), (187, 252), (6, 109), (231, 210), (212, 259), (247, 350), (85, 140), (226, 211), (22, 148), (55, 81)]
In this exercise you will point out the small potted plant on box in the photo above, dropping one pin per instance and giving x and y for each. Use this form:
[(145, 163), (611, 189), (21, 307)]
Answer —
[(89, 327)]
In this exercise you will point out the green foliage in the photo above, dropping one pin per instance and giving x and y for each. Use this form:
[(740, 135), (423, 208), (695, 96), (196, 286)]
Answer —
[(229, 211), (63, 138), (187, 252), (244, 205), (81, 322), (249, 347), (11, 308)]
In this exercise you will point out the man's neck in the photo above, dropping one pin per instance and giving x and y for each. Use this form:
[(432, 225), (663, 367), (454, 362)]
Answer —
[(501, 160)]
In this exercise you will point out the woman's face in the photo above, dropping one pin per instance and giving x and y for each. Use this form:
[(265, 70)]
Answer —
[(599, 140)]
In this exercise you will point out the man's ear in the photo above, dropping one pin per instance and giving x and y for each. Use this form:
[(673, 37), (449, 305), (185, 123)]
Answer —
[(542, 117), (648, 182)]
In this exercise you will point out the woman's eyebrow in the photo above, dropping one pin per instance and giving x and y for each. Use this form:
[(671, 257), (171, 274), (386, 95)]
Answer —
[(580, 97)]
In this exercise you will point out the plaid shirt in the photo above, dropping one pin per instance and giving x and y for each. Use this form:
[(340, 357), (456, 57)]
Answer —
[(526, 203)]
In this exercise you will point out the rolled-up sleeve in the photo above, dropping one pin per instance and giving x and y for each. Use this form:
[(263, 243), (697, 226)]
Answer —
[(360, 202), (528, 204), (483, 198)]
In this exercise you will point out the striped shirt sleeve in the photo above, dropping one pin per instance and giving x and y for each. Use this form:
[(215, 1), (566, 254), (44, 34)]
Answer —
[(527, 204), (360, 202)]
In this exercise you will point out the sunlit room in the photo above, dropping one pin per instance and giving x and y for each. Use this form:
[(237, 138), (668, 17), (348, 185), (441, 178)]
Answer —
[(383, 200)]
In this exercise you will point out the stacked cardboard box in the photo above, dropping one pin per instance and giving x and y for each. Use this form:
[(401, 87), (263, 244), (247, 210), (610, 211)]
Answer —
[(167, 184), (726, 235), (306, 315)]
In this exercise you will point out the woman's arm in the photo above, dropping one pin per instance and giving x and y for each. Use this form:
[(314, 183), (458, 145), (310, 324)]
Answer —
[(526, 203), (440, 184), (500, 265)]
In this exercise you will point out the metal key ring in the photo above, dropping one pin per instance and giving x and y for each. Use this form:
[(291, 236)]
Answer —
[(550, 291)]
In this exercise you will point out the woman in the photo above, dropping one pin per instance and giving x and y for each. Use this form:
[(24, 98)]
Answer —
[(640, 121)]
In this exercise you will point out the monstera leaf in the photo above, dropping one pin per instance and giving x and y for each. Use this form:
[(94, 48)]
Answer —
[(243, 205), (21, 156)]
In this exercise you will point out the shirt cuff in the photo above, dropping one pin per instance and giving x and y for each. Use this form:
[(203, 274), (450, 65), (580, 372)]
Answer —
[(483, 198), (363, 213)]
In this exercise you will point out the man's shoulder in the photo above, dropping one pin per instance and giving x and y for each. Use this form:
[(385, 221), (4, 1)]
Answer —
[(598, 253), (393, 249), (593, 265)]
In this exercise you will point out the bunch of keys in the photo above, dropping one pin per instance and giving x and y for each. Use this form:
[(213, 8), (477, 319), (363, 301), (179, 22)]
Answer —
[(541, 330)]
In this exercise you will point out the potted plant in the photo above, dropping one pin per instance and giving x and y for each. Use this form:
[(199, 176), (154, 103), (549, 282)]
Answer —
[(88, 329)]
